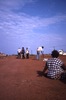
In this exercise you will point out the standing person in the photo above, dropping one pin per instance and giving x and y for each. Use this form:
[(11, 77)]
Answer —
[(23, 53), (54, 66), (38, 54), (41, 52), (27, 53), (19, 52)]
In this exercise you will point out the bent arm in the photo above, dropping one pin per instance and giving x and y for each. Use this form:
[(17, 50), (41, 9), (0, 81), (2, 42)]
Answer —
[(63, 67), (45, 68)]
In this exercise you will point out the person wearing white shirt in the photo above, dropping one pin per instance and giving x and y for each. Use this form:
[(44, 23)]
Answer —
[(40, 51), (19, 52), (27, 53)]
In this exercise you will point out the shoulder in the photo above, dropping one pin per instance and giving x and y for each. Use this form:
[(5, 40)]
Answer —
[(54, 60), (58, 59), (50, 59)]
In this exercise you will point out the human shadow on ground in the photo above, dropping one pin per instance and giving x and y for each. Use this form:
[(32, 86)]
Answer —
[(41, 74), (63, 78), (63, 81)]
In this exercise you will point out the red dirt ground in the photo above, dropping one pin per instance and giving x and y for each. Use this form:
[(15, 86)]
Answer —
[(19, 80)]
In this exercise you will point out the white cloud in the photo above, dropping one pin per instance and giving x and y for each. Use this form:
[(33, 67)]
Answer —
[(20, 29), (13, 4), (49, 21), (15, 24)]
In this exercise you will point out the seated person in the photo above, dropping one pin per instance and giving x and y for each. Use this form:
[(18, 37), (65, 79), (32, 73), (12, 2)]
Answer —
[(54, 66)]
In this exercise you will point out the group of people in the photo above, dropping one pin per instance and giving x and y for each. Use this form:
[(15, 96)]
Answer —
[(22, 53), (54, 67)]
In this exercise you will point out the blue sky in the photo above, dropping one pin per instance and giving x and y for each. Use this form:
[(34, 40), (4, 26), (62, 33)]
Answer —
[(32, 23)]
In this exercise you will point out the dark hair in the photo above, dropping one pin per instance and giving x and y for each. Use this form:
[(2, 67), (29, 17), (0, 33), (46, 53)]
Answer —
[(55, 53), (42, 46)]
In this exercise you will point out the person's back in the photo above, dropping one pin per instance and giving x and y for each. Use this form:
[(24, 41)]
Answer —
[(54, 67)]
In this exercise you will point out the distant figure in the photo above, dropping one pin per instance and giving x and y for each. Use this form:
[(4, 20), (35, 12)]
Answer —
[(27, 53), (19, 52), (40, 51), (38, 54), (54, 67), (22, 53)]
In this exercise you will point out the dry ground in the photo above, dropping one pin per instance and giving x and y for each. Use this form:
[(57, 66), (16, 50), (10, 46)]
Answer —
[(19, 80)]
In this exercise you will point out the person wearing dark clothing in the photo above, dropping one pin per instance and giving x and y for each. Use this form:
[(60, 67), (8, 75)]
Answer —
[(23, 53)]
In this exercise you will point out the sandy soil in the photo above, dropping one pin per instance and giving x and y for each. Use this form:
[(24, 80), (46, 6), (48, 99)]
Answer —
[(19, 80)]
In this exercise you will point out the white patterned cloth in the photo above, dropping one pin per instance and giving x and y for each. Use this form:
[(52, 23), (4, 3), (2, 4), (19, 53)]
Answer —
[(54, 67)]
